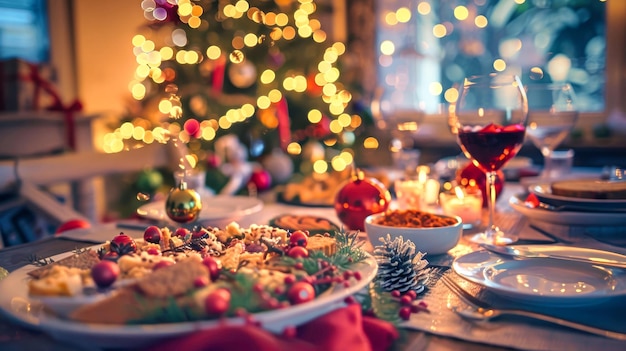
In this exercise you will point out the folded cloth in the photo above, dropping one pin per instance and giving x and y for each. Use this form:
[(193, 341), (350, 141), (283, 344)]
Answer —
[(339, 330)]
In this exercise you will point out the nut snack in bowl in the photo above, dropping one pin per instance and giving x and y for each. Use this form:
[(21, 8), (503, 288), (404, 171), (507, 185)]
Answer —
[(432, 233)]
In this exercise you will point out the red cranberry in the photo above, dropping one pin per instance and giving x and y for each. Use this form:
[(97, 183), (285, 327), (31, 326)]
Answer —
[(104, 273), (162, 264), (217, 302), (181, 232), (201, 282), (405, 313), (153, 251), (298, 252), (152, 234), (211, 264)]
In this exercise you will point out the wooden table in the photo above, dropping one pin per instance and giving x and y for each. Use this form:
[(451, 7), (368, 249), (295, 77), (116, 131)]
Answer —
[(13, 337)]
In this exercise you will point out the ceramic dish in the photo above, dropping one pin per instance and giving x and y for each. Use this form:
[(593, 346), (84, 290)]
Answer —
[(541, 280), (216, 210), (544, 193), (430, 240), (566, 217), (17, 305)]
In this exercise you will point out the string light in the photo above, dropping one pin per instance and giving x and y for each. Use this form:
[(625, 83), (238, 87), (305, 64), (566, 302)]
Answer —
[(156, 57)]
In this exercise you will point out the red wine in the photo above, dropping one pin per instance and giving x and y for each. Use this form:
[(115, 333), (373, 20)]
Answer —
[(493, 145)]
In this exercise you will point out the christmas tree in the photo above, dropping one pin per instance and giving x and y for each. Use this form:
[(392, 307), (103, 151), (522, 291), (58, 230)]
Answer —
[(263, 70)]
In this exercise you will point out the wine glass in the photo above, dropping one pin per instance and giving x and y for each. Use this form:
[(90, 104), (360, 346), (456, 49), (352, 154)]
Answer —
[(551, 116), (489, 119)]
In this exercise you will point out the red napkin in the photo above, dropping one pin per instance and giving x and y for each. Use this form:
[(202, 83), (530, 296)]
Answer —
[(340, 330)]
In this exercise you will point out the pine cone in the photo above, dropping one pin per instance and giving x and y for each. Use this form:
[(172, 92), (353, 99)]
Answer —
[(399, 267)]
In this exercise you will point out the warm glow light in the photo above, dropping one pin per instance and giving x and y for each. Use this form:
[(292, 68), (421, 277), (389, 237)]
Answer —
[(314, 116), (338, 164), (403, 15), (320, 166), (213, 52), (387, 47), (451, 95), (370, 143), (263, 102), (461, 13), (282, 19), (499, 65), (267, 76), (391, 19), (439, 30), (481, 21), (423, 8), (435, 88), (294, 149)]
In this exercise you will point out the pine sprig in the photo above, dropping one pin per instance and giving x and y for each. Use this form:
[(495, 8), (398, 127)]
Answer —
[(349, 247), (39, 261), (383, 305)]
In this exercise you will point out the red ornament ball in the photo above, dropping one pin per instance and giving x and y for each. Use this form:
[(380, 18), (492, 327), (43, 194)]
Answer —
[(192, 127), (72, 224), (360, 197), (261, 179), (471, 174)]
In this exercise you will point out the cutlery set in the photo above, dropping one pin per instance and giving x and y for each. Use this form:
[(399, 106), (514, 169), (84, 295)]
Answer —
[(479, 310)]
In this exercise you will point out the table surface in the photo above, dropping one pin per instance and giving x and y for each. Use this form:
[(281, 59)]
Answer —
[(13, 337)]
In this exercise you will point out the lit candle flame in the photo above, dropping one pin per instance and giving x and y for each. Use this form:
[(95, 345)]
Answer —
[(459, 192)]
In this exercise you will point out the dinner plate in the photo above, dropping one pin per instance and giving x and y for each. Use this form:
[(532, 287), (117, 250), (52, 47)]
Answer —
[(17, 305), (216, 210), (543, 281), (543, 191), (567, 217)]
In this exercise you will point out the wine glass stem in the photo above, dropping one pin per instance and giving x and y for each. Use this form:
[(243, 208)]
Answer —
[(491, 198)]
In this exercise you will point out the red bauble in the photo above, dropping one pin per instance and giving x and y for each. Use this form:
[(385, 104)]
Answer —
[(192, 127), (72, 224), (360, 197), (471, 172), (300, 292), (261, 179)]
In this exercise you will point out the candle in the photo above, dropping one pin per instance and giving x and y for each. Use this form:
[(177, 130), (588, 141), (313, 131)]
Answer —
[(463, 203), (408, 193)]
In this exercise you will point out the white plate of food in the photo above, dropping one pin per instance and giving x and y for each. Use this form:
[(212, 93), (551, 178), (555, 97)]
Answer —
[(216, 210), (543, 281), (518, 203), (16, 304), (605, 191)]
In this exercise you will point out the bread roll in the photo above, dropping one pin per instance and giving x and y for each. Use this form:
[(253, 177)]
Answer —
[(590, 189)]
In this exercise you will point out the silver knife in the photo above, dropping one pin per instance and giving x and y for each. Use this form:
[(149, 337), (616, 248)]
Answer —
[(525, 252)]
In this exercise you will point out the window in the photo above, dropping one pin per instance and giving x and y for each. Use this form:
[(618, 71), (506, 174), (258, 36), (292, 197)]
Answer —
[(426, 46), (24, 30)]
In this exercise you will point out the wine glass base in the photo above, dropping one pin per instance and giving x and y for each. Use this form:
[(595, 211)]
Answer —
[(492, 238)]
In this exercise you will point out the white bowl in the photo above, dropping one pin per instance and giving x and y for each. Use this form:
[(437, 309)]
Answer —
[(430, 240)]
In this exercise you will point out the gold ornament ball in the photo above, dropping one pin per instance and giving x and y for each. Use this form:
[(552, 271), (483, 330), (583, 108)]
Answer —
[(183, 205)]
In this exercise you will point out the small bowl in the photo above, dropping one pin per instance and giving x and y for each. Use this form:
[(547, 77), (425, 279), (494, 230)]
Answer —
[(430, 240)]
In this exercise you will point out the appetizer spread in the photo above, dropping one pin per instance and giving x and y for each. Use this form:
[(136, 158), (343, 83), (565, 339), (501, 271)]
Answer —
[(196, 274)]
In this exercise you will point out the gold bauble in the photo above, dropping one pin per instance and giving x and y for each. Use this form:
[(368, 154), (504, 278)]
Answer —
[(183, 205)]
